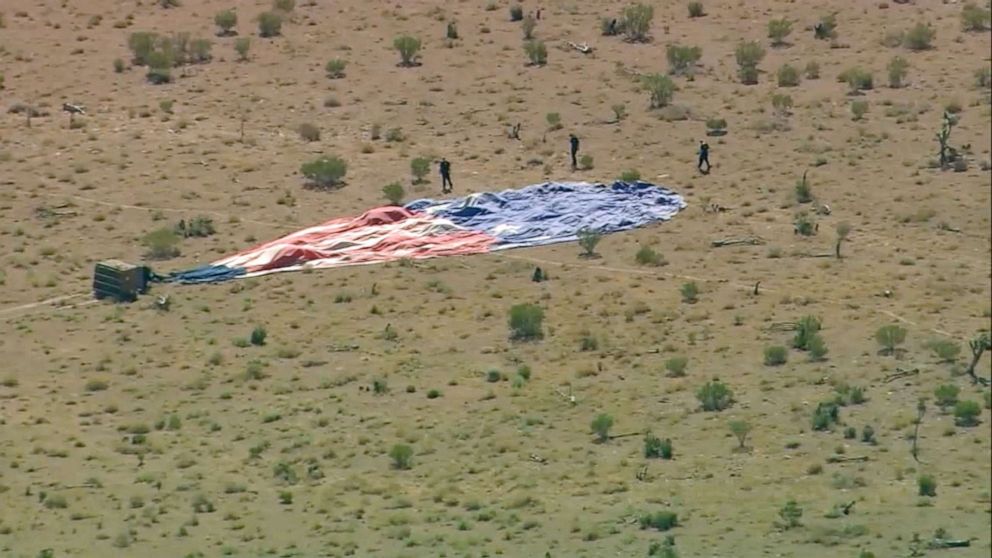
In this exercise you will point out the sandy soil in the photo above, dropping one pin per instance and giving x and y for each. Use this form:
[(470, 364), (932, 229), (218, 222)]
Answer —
[(130, 431)]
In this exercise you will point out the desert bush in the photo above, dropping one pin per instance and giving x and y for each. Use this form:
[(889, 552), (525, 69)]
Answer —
[(676, 366), (790, 514), (451, 31), (258, 336), (525, 322), (945, 350), (601, 426), (118, 68), (142, 44), (241, 46), (528, 26), (554, 120), (661, 521), (690, 292), (392, 134), (788, 76), (778, 30), (890, 337), (859, 109), (804, 224), (812, 70), (696, 9), (661, 88), (782, 104), (309, 132), (825, 415), (335, 68), (655, 447), (857, 79), (394, 193), (588, 240), (199, 51), (162, 244), (817, 348), (898, 68), (630, 175), (197, 227), (325, 172), (635, 20), (740, 429), (648, 256), (946, 395), (804, 192), (226, 20), (716, 124), (919, 37), (826, 28), (776, 355), (682, 59), (966, 413), (284, 5), (536, 52), (975, 18), (402, 456), (927, 485), (715, 396), (619, 111), (419, 167), (807, 327), (269, 24), (748, 56), (586, 162), (408, 47), (516, 13)]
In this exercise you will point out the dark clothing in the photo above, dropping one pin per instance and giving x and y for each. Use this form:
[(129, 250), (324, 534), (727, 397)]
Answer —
[(704, 157), (446, 185), (574, 141)]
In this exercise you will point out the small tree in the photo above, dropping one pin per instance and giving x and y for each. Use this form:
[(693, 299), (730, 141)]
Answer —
[(945, 156), (269, 24), (749, 55), (394, 193), (682, 59), (408, 47), (661, 88), (696, 9), (536, 52), (402, 456), (528, 26), (790, 514), (601, 426), (325, 172), (588, 240), (335, 68), (740, 429), (419, 167), (978, 345), (636, 22), (843, 230), (898, 68), (241, 46), (975, 18), (804, 193), (525, 322), (226, 20), (919, 37), (889, 337), (778, 30), (715, 396), (788, 76)]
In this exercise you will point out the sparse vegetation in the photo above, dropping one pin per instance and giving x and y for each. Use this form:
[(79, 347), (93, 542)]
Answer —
[(601, 426), (778, 30), (945, 350), (715, 396), (516, 13), (528, 25), (419, 167), (241, 46), (812, 70), (858, 109), (975, 18), (966, 413), (408, 47), (258, 336), (325, 172), (655, 447), (946, 396), (776, 355), (790, 514), (676, 366), (682, 59), (635, 21), (226, 21), (690, 292), (898, 68), (162, 244), (661, 88), (857, 79), (269, 24), (890, 337), (788, 76), (394, 193), (740, 429), (919, 37), (335, 68), (402, 456), (749, 55), (696, 9), (648, 256), (661, 521), (308, 132), (536, 52), (525, 322), (927, 486), (588, 240), (826, 28)]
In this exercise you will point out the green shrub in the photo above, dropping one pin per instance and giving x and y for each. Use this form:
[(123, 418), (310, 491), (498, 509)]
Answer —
[(946, 395), (827, 28), (433, 394), (325, 172), (309, 132), (630, 176), (635, 20), (898, 68), (142, 45), (588, 240), (655, 447), (528, 26), (661, 88), (776, 355), (676, 366), (682, 59), (889, 337), (716, 124), (791, 514), (816, 347), (162, 244), (857, 79), (269, 24), (586, 162), (945, 350), (408, 47), (975, 18), (812, 70), (919, 37), (778, 30), (258, 336), (715, 396), (525, 322), (807, 327), (749, 55), (226, 20), (740, 429), (197, 227), (966, 413), (451, 31), (859, 109), (927, 485), (335, 68), (788, 76), (804, 224), (647, 256), (419, 167), (118, 68), (690, 292), (241, 46), (199, 51), (554, 120), (536, 52), (696, 9), (662, 520), (516, 13), (825, 415), (394, 193), (284, 5), (402, 456), (601, 426), (782, 104)]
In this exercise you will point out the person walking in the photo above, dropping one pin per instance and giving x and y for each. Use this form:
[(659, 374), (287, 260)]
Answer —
[(574, 145), (446, 185), (704, 157)]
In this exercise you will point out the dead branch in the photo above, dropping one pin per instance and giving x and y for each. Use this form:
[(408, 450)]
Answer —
[(751, 240), (900, 373), (841, 459), (626, 435)]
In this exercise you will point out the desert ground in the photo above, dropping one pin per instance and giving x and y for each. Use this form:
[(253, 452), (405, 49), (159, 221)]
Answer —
[(138, 430)]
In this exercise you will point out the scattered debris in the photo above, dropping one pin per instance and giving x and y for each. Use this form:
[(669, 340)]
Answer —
[(900, 373), (584, 48), (752, 240)]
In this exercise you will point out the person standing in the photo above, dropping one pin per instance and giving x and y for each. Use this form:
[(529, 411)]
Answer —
[(704, 157), (574, 145), (446, 185)]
